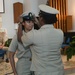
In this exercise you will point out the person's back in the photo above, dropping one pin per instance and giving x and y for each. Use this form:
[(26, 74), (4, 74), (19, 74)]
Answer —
[(47, 49)]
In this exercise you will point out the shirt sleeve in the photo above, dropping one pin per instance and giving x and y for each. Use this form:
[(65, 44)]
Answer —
[(27, 39), (14, 44)]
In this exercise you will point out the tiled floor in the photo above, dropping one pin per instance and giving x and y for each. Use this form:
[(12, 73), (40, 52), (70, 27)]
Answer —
[(70, 63), (69, 66), (71, 74)]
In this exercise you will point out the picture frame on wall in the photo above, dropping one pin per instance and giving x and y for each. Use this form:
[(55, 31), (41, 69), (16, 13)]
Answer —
[(2, 6)]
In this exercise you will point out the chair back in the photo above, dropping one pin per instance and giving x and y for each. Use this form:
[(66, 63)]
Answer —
[(68, 40)]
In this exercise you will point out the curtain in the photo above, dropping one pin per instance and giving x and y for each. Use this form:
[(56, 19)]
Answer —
[(60, 5)]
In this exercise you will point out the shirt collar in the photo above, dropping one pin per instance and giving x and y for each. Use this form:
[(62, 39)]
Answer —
[(48, 26)]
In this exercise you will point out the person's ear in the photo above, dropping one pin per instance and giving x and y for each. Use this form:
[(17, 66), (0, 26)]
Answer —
[(41, 18)]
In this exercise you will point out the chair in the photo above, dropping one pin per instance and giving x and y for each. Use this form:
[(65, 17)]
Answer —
[(3, 39), (2, 52), (65, 45)]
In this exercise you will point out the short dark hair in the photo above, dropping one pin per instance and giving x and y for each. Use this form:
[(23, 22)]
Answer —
[(48, 18)]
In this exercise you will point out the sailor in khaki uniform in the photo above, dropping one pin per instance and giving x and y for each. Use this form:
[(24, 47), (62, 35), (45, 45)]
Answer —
[(23, 54), (45, 44)]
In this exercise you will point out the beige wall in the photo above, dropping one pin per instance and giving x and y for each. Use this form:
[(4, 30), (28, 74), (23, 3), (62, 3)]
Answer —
[(0, 21), (71, 11), (7, 17)]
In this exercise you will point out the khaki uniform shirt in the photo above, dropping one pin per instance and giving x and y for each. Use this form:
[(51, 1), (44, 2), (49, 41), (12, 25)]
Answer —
[(21, 50), (45, 46), (23, 54)]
